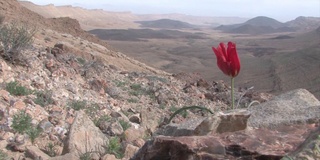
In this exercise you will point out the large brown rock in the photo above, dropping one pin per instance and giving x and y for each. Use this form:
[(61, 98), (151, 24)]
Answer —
[(260, 144), (181, 148), (309, 149)]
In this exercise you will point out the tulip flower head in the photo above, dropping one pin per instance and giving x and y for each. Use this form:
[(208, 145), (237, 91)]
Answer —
[(227, 60)]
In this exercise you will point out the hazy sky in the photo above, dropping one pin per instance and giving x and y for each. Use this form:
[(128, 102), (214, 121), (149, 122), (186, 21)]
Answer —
[(282, 10)]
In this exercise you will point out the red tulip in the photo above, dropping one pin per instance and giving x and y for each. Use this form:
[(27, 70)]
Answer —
[(227, 60)]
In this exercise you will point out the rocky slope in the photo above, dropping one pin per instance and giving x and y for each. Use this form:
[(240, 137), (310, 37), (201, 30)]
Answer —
[(71, 98)]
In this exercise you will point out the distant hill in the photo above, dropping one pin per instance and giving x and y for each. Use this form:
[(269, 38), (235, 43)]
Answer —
[(264, 21), (165, 24), (257, 25), (304, 23)]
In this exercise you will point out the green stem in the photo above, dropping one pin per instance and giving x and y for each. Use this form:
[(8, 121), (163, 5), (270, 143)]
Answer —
[(232, 92)]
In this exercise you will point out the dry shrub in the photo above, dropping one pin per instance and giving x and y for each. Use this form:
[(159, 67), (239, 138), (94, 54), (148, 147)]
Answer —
[(15, 37)]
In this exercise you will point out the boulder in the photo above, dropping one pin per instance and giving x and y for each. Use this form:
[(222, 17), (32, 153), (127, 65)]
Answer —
[(84, 136), (293, 107), (191, 147), (130, 151)]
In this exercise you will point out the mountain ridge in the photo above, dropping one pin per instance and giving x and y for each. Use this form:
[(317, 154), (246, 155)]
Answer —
[(102, 19), (266, 25)]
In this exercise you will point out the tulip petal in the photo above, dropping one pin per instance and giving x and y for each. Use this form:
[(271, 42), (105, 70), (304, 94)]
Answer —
[(234, 59), (221, 59)]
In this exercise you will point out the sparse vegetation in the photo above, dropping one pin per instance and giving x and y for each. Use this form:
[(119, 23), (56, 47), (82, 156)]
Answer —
[(114, 147), (133, 100), (78, 105), (137, 90), (14, 88), (3, 156), (91, 111), (120, 83), (173, 109), (21, 122), (125, 125), (15, 37), (33, 133), (51, 150), (156, 78), (43, 98), (103, 118), (86, 156), (81, 60)]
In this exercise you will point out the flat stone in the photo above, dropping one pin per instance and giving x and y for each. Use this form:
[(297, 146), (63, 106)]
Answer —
[(192, 127)]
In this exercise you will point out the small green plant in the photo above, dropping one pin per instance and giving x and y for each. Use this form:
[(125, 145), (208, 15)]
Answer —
[(51, 150), (21, 122), (14, 37), (184, 114), (81, 60), (92, 110), (187, 108), (120, 83), (173, 108), (43, 98), (103, 118), (33, 133), (78, 105), (138, 90), (133, 100), (114, 147), (162, 106), (86, 156), (3, 155), (156, 78), (16, 89), (125, 125)]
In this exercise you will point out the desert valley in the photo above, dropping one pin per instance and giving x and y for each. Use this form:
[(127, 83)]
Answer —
[(91, 84), (275, 56)]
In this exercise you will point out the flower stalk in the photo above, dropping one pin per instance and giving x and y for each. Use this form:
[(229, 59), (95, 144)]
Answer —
[(232, 92)]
